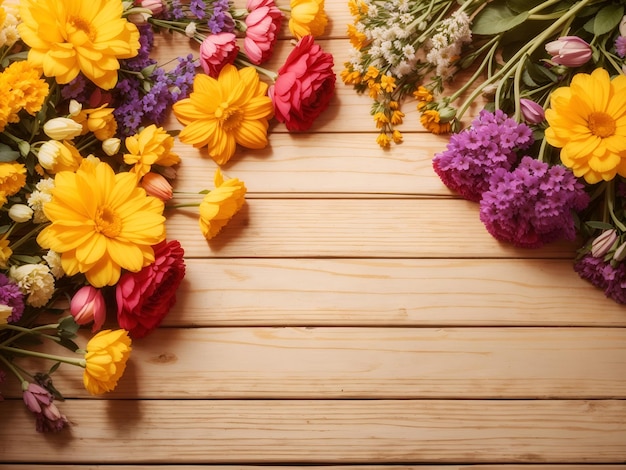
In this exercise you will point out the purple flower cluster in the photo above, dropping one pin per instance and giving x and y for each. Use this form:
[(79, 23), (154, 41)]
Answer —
[(11, 295), (221, 20), (612, 280), (473, 155), (533, 204)]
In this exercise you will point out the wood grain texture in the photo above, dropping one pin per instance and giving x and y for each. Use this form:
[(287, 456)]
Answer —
[(314, 467), (328, 431)]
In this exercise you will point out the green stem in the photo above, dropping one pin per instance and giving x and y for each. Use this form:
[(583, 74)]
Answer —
[(268, 73), (527, 49), (52, 357), (27, 237), (610, 202), (13, 369), (30, 331)]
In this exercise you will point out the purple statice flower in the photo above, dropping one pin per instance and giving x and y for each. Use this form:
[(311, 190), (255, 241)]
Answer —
[(620, 46), (473, 155), (11, 295), (600, 273), (197, 7), (177, 11), (533, 204), (76, 89), (221, 19)]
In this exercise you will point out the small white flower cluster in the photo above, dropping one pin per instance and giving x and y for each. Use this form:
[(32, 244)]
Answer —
[(35, 281), (445, 45), (37, 199), (8, 29)]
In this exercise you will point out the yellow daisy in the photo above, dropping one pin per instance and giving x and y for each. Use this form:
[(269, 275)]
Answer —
[(221, 204), (152, 146), (101, 223), (74, 36), (588, 123), (221, 113)]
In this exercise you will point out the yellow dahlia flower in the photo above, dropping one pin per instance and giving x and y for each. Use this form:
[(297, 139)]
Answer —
[(221, 204), (22, 88), (307, 17), (588, 123), (100, 121), (101, 223), (221, 113), (71, 36), (106, 357), (152, 146)]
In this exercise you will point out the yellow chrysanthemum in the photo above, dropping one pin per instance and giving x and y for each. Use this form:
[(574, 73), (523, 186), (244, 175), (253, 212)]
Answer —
[(5, 251), (221, 113), (431, 120), (307, 17), (152, 146), (74, 36), (588, 123), (106, 357), (12, 179), (102, 222), (22, 87), (221, 204)]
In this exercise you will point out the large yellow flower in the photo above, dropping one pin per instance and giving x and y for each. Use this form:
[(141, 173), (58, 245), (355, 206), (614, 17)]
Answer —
[(71, 36), (221, 204), (102, 222), (221, 113), (106, 357), (307, 17), (588, 123)]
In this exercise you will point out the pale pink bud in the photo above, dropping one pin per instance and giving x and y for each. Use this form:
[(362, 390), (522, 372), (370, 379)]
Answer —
[(533, 112), (36, 397), (603, 243), (155, 6), (622, 26), (570, 51), (156, 185), (216, 51), (88, 305)]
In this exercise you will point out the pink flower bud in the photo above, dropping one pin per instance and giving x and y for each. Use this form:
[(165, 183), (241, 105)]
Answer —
[(603, 243), (155, 6), (532, 111), (570, 51), (88, 305), (157, 185)]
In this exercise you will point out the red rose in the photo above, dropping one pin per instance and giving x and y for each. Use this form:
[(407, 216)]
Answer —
[(145, 297), (305, 85)]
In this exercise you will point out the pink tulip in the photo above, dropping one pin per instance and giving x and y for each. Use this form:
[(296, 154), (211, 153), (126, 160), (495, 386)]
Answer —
[(156, 185), (532, 111), (570, 51), (88, 306)]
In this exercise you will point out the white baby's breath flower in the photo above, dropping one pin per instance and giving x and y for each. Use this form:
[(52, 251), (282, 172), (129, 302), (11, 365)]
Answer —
[(39, 197), (35, 281)]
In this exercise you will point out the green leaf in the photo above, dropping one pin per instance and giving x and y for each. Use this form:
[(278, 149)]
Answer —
[(496, 18), (68, 328), (606, 20), (599, 225), (7, 154), (520, 6)]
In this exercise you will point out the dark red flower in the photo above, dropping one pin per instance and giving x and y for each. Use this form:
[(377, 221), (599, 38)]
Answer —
[(144, 298)]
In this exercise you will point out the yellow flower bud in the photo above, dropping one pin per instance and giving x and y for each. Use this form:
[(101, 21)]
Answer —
[(111, 146), (61, 128)]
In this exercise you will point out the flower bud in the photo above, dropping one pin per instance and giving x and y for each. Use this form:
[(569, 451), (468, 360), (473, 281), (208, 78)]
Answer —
[(49, 154), (533, 112), (88, 305), (620, 252), (20, 213), (61, 128), (603, 243), (111, 146), (156, 185), (622, 26), (570, 51), (190, 30), (446, 114), (155, 6), (75, 108)]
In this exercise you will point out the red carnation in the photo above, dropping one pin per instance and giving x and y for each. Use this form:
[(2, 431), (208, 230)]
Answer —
[(305, 85), (145, 297)]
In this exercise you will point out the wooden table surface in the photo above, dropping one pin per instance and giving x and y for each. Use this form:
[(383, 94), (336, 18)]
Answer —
[(354, 313)]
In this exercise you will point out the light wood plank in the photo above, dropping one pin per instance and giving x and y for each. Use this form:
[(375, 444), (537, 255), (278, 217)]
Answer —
[(369, 292), (304, 163), (313, 467), (344, 362), (327, 431), (361, 228)]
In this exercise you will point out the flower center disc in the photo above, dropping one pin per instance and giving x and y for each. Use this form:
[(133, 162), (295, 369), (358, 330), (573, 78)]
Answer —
[(108, 223), (229, 117), (82, 25), (601, 124)]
